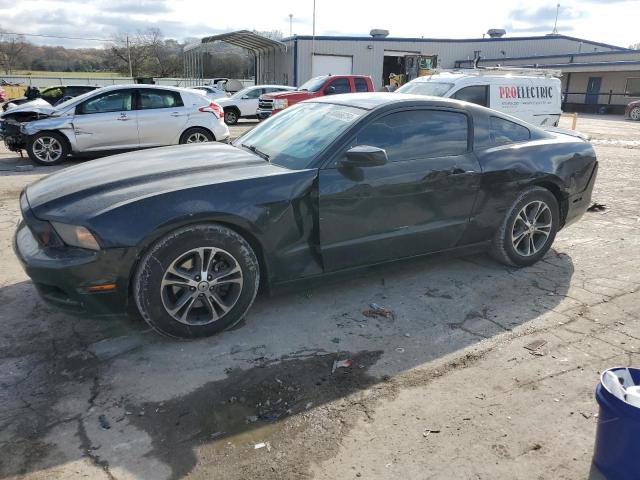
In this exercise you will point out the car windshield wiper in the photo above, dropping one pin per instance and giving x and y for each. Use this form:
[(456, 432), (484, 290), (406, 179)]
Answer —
[(255, 150)]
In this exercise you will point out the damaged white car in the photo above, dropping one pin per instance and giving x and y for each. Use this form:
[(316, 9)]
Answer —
[(123, 117)]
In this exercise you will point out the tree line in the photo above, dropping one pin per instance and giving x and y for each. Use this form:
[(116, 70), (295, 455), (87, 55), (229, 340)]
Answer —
[(145, 53)]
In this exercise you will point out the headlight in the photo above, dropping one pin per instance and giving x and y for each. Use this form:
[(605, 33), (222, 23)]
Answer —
[(76, 236), (280, 104)]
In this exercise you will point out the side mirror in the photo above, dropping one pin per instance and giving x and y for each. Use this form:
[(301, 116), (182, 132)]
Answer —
[(364, 156), (330, 90)]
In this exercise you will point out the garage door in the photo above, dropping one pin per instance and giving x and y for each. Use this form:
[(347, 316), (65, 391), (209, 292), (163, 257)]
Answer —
[(331, 65)]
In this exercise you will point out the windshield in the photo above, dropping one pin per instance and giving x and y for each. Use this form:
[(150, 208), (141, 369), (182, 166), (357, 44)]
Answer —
[(72, 101), (433, 89), (314, 84), (293, 137), (241, 93)]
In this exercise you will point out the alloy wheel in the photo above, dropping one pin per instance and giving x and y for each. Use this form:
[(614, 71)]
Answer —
[(230, 117), (197, 137), (531, 228), (201, 286), (47, 149), (635, 113)]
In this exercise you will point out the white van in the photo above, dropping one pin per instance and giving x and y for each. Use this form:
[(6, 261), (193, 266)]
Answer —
[(534, 97)]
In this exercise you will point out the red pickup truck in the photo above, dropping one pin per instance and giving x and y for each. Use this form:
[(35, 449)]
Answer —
[(271, 103)]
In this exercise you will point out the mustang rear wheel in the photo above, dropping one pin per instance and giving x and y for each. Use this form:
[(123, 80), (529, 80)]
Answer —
[(528, 229), (196, 281), (634, 114), (47, 148)]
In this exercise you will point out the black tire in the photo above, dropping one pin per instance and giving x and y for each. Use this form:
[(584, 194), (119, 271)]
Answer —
[(47, 148), (634, 114), (201, 134), (508, 247), (231, 116), (155, 293)]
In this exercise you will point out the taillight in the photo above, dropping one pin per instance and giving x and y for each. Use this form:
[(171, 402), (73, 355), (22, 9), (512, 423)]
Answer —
[(214, 108)]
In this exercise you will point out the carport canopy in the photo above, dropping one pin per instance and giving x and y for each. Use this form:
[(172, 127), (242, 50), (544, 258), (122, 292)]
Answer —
[(242, 38)]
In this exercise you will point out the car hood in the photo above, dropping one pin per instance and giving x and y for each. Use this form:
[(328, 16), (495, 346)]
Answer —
[(291, 94), (97, 186), (39, 106)]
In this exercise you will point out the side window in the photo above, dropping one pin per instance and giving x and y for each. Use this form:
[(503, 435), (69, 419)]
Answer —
[(116, 101), (503, 131), (341, 85), (150, 99), (474, 94), (360, 84), (418, 134)]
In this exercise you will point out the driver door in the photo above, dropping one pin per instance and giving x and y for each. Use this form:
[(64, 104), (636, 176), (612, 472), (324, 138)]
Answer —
[(418, 202), (106, 121), (248, 104)]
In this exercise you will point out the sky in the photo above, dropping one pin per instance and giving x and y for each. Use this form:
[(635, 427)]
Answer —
[(608, 21)]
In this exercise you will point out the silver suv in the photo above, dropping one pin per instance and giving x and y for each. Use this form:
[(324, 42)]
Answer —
[(123, 117)]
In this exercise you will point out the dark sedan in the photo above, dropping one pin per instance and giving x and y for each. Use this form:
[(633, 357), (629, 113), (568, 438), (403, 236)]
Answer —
[(188, 233)]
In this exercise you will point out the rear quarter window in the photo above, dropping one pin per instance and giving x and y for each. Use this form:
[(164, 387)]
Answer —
[(504, 132)]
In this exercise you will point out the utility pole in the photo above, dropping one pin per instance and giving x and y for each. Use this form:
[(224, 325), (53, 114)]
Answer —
[(555, 25), (129, 57), (313, 35), (291, 24)]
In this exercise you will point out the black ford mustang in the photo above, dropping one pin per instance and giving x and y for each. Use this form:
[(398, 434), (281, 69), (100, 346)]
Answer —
[(188, 233)]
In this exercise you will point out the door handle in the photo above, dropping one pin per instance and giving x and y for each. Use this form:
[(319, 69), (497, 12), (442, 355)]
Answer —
[(123, 117), (460, 171), (177, 114)]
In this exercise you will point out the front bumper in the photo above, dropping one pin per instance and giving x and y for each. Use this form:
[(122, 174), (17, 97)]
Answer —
[(263, 114), (62, 276)]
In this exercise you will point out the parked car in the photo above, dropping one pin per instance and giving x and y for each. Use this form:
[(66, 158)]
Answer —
[(633, 110), (52, 95), (533, 97), (122, 117), (244, 103), (271, 103), (327, 185), (211, 92)]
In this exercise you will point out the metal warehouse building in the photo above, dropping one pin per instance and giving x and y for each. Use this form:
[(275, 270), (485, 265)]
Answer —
[(595, 76)]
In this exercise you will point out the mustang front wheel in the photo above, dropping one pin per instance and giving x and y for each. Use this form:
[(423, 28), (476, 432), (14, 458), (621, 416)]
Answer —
[(528, 229), (197, 281)]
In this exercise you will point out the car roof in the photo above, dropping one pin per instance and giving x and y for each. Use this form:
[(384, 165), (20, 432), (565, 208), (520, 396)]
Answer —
[(146, 87), (369, 101)]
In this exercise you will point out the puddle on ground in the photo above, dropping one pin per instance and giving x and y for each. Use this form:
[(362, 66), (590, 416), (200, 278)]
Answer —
[(223, 420)]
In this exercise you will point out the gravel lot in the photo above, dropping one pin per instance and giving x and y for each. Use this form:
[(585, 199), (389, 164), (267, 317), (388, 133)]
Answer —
[(442, 389)]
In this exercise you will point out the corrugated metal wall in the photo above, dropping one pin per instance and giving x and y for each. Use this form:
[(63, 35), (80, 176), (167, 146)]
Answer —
[(368, 54)]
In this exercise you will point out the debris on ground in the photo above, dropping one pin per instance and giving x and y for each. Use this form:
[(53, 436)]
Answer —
[(535, 346), (104, 423), (252, 419), (597, 207), (429, 431), (260, 445), (341, 364), (400, 350), (23, 168), (376, 310)]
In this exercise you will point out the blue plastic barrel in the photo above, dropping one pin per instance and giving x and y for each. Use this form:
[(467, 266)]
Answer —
[(617, 449)]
